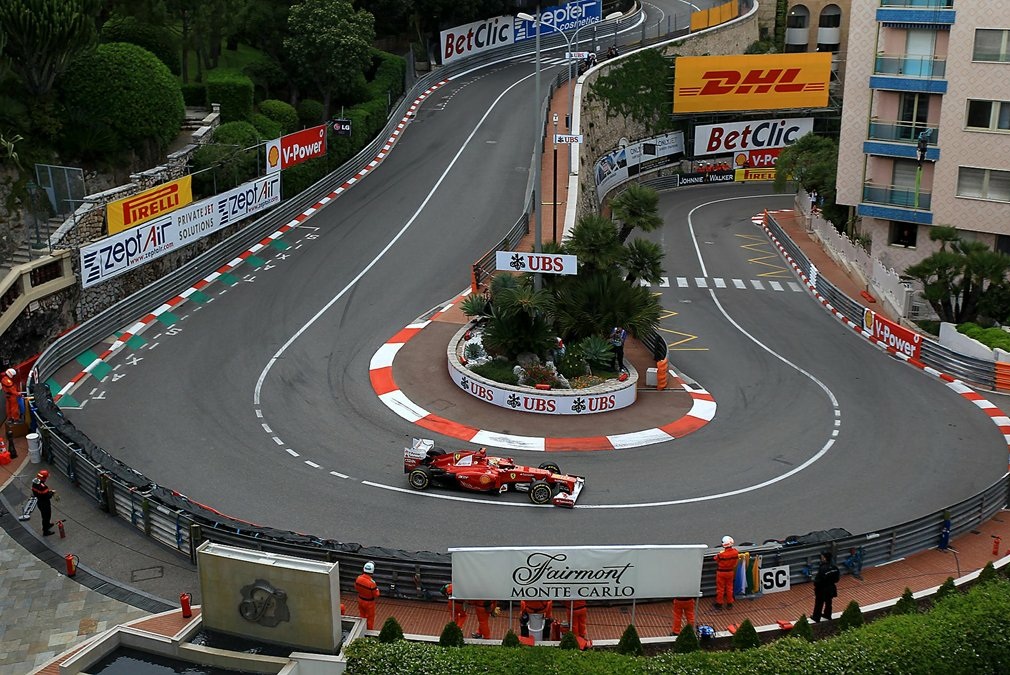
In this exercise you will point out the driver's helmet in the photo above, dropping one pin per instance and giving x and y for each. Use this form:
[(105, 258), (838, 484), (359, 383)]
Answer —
[(481, 454), (706, 632)]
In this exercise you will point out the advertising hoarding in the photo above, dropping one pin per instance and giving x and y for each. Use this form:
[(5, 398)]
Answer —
[(892, 335), (617, 166), (561, 18), (577, 572), (579, 403), (136, 246), (547, 263), (296, 148), (735, 137), (128, 212), (751, 82), (473, 38)]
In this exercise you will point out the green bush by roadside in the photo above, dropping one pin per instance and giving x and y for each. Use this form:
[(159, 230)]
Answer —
[(154, 39), (965, 633), (281, 112), (234, 91)]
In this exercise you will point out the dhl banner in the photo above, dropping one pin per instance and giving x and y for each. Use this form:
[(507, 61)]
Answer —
[(751, 82), (126, 213)]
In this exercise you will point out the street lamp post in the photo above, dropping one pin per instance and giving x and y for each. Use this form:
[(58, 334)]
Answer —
[(575, 41), (554, 200), (537, 137)]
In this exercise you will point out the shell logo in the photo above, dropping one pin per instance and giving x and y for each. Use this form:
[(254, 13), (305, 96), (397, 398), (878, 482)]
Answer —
[(868, 320), (273, 156), (740, 159), (485, 479)]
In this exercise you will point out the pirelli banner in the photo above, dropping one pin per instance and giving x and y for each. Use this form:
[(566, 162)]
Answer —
[(577, 572), (123, 251), (125, 213), (751, 82)]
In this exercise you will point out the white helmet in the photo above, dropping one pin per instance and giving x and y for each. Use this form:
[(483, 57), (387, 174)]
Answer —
[(369, 567), (11, 372), (727, 541)]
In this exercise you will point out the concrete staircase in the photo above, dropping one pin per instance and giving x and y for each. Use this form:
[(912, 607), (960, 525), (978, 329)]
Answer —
[(27, 251)]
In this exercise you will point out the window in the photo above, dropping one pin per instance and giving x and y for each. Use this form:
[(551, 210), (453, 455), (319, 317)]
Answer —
[(988, 115), (1003, 244), (799, 17), (902, 234), (983, 184), (991, 45), (793, 49), (831, 17)]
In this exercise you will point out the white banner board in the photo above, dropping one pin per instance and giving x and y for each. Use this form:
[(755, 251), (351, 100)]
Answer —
[(577, 572), (473, 38), (773, 579), (618, 165), (117, 254), (722, 139), (546, 263)]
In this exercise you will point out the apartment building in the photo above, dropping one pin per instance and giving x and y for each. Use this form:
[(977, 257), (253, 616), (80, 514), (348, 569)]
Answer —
[(927, 80)]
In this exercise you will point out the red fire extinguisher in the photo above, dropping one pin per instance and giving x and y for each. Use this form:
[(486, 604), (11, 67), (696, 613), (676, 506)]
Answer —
[(995, 545), (187, 610), (71, 561), (63, 531)]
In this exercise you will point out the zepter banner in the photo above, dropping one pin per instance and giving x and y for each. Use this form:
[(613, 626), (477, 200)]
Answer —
[(751, 82)]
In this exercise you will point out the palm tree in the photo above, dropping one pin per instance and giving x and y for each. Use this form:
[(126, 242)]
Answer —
[(636, 208), (643, 259), (594, 241), (593, 304)]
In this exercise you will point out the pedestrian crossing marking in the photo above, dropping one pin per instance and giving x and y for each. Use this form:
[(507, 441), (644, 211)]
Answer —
[(682, 282), (664, 282), (701, 282), (794, 286), (776, 286), (719, 282), (758, 286), (739, 283)]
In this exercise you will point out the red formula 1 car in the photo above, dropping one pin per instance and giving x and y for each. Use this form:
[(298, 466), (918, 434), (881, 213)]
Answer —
[(475, 470)]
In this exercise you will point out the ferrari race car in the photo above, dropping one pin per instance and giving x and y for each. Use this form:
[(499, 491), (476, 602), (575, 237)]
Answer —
[(475, 470)]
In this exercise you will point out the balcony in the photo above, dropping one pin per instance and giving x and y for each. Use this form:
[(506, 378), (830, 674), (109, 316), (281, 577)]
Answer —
[(916, 13), (900, 132), (924, 74), (896, 195)]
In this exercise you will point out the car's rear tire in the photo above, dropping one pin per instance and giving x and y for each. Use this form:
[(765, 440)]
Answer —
[(541, 492), (435, 452), (551, 466), (420, 478)]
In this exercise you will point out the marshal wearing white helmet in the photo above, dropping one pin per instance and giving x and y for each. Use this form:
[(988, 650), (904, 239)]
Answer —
[(368, 593), (725, 572), (11, 394)]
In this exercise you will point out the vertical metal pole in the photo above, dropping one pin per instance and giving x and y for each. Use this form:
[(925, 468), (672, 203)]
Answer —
[(555, 198), (538, 134), (632, 611)]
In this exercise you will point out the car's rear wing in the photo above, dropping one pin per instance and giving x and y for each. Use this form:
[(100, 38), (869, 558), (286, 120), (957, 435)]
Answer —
[(568, 499), (415, 455)]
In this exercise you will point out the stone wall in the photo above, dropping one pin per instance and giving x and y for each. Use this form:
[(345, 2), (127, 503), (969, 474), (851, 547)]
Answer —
[(601, 135)]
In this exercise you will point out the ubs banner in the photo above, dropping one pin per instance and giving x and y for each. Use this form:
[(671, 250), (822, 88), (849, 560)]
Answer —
[(116, 254), (574, 572)]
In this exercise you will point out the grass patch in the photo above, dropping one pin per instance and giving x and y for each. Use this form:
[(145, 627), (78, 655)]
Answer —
[(497, 371)]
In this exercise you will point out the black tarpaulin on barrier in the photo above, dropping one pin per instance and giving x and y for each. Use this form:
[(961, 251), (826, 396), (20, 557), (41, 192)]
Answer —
[(205, 516), (818, 537)]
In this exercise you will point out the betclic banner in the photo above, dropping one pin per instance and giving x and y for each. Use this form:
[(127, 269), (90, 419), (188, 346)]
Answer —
[(565, 573), (118, 253), (751, 82), (618, 165), (134, 210)]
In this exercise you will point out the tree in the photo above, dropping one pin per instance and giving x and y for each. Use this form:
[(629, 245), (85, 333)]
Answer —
[(330, 44), (687, 641), (801, 629), (812, 161), (391, 631), (947, 588), (451, 636), (643, 259), (955, 281), (852, 617), (906, 603), (44, 36), (630, 644), (638, 88), (746, 636), (594, 241), (636, 208)]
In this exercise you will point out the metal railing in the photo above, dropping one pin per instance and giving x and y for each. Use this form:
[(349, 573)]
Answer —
[(902, 132), (897, 195), (911, 66)]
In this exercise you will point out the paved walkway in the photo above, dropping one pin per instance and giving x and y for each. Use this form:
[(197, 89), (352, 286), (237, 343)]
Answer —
[(124, 576)]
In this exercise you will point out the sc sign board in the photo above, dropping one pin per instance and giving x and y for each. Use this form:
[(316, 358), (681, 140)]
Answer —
[(548, 263), (775, 579)]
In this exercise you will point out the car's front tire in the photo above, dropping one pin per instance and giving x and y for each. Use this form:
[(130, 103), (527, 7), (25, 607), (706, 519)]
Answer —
[(551, 466), (420, 478), (541, 492)]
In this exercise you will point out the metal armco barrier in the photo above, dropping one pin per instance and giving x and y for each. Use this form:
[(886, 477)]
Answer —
[(180, 524)]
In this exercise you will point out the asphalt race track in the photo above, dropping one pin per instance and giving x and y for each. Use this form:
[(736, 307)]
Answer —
[(258, 403)]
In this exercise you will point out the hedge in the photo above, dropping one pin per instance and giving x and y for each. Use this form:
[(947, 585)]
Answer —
[(195, 94), (310, 112), (127, 89), (992, 338), (388, 78), (234, 91), (156, 40), (282, 113), (964, 633), (266, 127)]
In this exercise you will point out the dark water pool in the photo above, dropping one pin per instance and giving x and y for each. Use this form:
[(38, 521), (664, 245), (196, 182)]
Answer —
[(126, 661)]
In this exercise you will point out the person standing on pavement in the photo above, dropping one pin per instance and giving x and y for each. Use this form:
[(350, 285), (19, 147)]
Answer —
[(11, 394), (457, 609), (544, 608), (578, 619), (368, 593), (484, 610), (683, 614), (725, 573), (617, 337), (825, 587), (44, 497)]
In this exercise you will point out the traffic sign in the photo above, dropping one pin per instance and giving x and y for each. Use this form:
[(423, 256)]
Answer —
[(567, 138)]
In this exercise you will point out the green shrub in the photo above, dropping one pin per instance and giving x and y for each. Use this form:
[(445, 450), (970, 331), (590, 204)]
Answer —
[(947, 588), (988, 573), (282, 113), (474, 305), (568, 641), (388, 76), (802, 629), (310, 113), (573, 366), (906, 604), (391, 631), (852, 617), (746, 636), (195, 94), (301, 176), (233, 91), (241, 134), (596, 351), (994, 338), (452, 636), (497, 371), (540, 374), (687, 641), (266, 75), (511, 640), (630, 644), (266, 127), (127, 89), (154, 39)]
